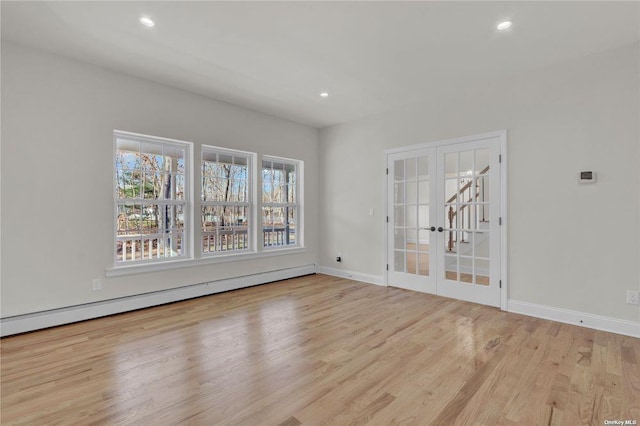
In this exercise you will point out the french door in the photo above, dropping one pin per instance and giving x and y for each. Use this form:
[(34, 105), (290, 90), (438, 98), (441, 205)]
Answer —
[(444, 220)]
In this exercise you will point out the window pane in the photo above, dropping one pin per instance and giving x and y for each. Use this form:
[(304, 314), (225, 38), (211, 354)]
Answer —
[(226, 216), (279, 180), (208, 188), (412, 218), (412, 192), (179, 220), (292, 194), (451, 190), (482, 161), (278, 194), (398, 167), (278, 177), (214, 189), (410, 166), (134, 218), (399, 238), (412, 239), (267, 217), (239, 170), (466, 163), (278, 217), (152, 220), (267, 185), (482, 188), (225, 180), (127, 221), (173, 153), (152, 159), (398, 192), (279, 226), (398, 216), (451, 164), (270, 235), (128, 184), (225, 159), (482, 271), (398, 261), (292, 177), (152, 185), (209, 218), (451, 268), (149, 231), (127, 159), (179, 183), (291, 227), (209, 157), (423, 167), (411, 262), (132, 184), (236, 191), (207, 167), (168, 189), (218, 171), (423, 216), (146, 228), (179, 244), (224, 228), (423, 263), (424, 192)]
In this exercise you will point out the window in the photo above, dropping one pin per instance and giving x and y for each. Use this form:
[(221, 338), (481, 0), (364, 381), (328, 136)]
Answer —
[(226, 208), (155, 220), (152, 198), (280, 206)]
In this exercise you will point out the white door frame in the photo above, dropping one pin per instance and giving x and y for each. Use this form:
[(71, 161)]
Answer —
[(502, 136)]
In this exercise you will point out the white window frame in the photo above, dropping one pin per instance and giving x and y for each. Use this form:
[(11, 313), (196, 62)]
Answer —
[(192, 209), (250, 204), (298, 205), (186, 203)]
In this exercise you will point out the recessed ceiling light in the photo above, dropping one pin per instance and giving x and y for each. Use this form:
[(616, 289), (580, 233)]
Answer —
[(147, 22), (504, 25), (324, 94)]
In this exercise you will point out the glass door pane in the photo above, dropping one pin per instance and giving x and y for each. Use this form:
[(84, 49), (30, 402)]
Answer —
[(470, 237), (410, 209)]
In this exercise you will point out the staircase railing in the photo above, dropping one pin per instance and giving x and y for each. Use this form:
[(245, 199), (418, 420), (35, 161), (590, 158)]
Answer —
[(452, 213)]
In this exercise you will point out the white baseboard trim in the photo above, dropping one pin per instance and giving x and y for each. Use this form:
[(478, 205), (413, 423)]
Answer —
[(356, 276), (35, 321), (597, 322)]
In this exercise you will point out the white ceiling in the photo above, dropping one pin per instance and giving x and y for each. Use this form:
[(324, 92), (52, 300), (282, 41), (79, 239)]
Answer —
[(276, 57)]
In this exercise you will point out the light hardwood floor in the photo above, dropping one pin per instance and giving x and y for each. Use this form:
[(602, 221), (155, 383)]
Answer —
[(320, 350)]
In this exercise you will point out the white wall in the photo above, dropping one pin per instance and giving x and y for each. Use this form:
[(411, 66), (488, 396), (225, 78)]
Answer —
[(58, 117), (570, 246), (565, 250)]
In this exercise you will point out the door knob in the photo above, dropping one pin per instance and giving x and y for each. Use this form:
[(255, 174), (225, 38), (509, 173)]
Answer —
[(433, 228), (440, 229)]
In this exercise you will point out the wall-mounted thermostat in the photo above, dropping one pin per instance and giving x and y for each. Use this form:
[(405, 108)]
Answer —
[(587, 177)]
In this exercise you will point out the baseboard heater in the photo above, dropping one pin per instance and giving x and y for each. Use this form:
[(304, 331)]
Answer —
[(45, 319)]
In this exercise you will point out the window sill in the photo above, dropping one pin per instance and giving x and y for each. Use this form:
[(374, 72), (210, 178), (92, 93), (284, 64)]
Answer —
[(118, 271)]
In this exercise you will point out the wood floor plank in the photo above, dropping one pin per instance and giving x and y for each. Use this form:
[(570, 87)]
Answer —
[(319, 350)]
